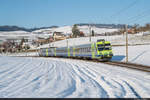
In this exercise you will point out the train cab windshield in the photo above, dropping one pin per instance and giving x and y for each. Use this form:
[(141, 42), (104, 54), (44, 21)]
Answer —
[(106, 46), (102, 45), (101, 49)]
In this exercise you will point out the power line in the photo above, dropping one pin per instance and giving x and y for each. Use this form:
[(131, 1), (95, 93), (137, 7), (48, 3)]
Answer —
[(121, 11), (139, 16), (125, 8), (142, 19)]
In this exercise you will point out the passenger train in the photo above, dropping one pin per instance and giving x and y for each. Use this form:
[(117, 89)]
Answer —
[(101, 50)]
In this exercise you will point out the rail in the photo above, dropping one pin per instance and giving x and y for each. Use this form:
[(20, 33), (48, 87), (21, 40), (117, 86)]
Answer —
[(130, 65)]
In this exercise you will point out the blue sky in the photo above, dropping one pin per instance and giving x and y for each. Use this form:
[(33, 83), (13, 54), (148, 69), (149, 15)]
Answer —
[(40, 13)]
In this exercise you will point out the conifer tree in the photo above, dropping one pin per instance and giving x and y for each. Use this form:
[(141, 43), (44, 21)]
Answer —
[(75, 31)]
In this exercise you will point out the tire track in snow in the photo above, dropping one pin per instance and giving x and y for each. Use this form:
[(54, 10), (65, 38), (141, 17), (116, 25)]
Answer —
[(19, 82), (122, 88), (31, 79), (49, 80), (120, 92), (65, 78), (108, 86), (14, 67), (33, 83), (137, 89), (100, 92), (62, 77), (100, 80), (132, 89), (7, 79)]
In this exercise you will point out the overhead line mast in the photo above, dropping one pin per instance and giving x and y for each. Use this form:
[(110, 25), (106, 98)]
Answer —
[(89, 32), (126, 31)]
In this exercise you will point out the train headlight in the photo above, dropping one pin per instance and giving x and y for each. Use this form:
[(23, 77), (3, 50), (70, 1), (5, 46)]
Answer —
[(105, 53), (100, 53), (110, 53)]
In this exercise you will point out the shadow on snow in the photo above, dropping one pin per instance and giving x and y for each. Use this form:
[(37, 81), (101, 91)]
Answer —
[(118, 58)]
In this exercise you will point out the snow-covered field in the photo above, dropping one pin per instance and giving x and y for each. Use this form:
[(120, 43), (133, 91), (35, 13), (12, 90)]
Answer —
[(136, 54), (63, 78)]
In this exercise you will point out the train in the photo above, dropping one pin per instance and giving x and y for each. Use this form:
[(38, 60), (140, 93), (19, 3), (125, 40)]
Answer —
[(101, 50)]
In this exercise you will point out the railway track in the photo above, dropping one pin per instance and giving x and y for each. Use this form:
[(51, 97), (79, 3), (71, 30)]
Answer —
[(130, 65), (127, 65), (113, 63)]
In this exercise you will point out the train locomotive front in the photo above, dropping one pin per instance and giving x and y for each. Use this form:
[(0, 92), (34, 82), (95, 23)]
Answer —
[(101, 50), (104, 50)]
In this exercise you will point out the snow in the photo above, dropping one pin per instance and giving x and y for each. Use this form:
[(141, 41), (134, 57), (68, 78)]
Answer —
[(68, 30), (42, 30), (64, 29), (85, 29), (22, 77), (136, 54), (13, 35), (13, 32)]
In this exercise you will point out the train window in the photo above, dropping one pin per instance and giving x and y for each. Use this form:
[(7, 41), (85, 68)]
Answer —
[(100, 45), (80, 50), (108, 44), (85, 49), (107, 48), (100, 49), (89, 49)]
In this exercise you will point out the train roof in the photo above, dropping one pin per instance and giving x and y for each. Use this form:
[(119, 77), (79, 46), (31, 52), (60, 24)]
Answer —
[(48, 47), (102, 41)]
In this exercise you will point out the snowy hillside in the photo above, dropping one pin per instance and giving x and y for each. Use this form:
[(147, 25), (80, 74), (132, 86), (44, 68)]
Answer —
[(85, 29), (63, 78), (13, 34), (45, 33)]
